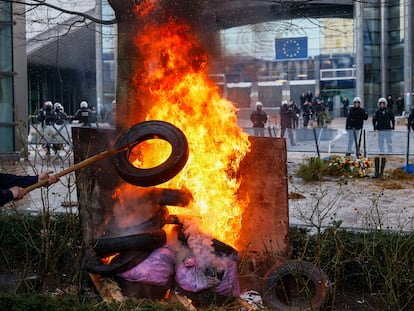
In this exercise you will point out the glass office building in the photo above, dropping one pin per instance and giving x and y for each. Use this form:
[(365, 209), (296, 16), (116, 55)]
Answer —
[(366, 53), (362, 49), (106, 58), (6, 77), (13, 85)]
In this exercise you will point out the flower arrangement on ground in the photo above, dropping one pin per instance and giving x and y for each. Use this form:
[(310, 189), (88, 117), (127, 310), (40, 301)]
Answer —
[(347, 166)]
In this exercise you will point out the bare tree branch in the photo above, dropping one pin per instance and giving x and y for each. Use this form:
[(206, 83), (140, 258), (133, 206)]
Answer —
[(36, 3)]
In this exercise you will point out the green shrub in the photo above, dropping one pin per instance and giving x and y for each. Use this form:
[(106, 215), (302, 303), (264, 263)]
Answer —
[(48, 246), (376, 262), (312, 170)]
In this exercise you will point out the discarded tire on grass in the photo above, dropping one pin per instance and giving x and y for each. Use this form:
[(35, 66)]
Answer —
[(140, 242), (283, 283), (159, 174)]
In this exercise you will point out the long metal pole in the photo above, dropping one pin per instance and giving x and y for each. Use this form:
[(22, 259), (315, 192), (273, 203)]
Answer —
[(359, 48), (356, 143), (407, 155), (365, 143), (316, 142), (384, 48), (408, 50)]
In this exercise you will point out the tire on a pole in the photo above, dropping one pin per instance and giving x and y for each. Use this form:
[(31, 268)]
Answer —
[(159, 174)]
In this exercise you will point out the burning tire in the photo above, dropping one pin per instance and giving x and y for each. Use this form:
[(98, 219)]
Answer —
[(158, 174), (139, 242), (283, 285), (156, 222), (175, 197), (223, 248), (220, 248), (121, 262)]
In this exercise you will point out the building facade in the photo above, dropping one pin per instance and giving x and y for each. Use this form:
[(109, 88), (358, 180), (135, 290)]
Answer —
[(13, 78), (353, 48), (364, 51)]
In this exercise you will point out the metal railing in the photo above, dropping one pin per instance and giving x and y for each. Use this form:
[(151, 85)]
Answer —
[(359, 143)]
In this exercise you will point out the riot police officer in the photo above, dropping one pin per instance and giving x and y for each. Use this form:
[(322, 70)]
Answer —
[(84, 114)]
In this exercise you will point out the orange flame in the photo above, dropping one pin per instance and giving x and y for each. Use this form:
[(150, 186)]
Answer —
[(174, 81), (107, 260)]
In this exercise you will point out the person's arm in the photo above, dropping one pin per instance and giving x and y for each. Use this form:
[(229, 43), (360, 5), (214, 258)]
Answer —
[(347, 123), (392, 119), (13, 186), (365, 115), (11, 180)]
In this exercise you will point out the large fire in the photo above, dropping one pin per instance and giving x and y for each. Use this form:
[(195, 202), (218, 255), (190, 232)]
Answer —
[(174, 81)]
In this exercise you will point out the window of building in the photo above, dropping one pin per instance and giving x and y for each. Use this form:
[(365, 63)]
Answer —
[(6, 79)]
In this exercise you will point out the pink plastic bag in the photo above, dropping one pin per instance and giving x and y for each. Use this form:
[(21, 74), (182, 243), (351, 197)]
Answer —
[(190, 277), (155, 270), (229, 285)]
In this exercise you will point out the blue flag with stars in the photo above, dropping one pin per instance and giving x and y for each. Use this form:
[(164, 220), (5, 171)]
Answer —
[(292, 48)]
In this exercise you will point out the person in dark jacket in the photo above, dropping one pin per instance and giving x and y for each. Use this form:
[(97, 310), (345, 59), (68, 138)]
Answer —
[(320, 112), (309, 96), (383, 122), (61, 116), (287, 121), (399, 103), (391, 103), (302, 98), (354, 124), (345, 106), (259, 119), (47, 117), (307, 113), (84, 114), (12, 187)]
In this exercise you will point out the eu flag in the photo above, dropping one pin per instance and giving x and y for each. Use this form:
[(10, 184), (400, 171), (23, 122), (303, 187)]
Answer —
[(292, 48)]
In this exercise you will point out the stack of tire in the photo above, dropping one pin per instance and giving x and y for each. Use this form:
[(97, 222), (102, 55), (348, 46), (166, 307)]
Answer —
[(126, 252), (129, 251)]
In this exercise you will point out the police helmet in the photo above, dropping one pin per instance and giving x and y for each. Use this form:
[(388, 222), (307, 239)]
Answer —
[(84, 104), (357, 99), (382, 100)]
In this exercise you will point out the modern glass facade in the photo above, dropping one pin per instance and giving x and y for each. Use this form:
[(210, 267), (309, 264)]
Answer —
[(6, 79), (329, 68), (78, 65), (332, 66), (324, 65), (385, 35), (108, 56)]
